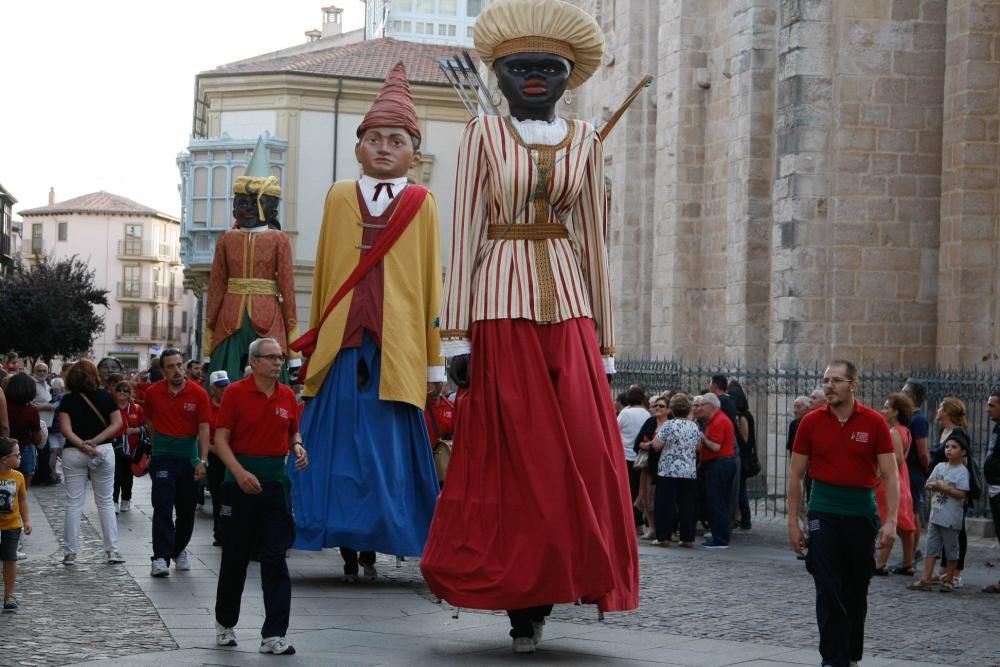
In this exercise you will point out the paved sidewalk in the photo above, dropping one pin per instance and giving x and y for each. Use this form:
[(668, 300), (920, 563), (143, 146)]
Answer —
[(750, 605)]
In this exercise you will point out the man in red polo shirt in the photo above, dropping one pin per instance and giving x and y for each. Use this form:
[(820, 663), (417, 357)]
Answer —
[(179, 413), (718, 458), (845, 447), (257, 427)]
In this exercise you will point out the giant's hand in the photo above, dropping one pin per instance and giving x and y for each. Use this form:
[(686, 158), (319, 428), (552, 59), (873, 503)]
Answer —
[(458, 370)]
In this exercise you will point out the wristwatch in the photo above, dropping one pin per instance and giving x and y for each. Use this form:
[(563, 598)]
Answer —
[(203, 462)]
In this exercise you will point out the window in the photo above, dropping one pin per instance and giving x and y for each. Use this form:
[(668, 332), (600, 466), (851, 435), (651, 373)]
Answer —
[(36, 238), (397, 26), (131, 281), (199, 199), (130, 321), (474, 7), (404, 5), (448, 7), (170, 322), (63, 230), (156, 322), (424, 6), (133, 240), (445, 29), (184, 321)]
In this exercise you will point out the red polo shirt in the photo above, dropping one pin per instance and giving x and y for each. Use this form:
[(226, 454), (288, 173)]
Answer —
[(720, 431), (177, 415), (844, 455), (259, 425)]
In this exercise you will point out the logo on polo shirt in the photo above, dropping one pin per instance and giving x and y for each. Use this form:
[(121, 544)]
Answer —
[(860, 436), (281, 412), (190, 407)]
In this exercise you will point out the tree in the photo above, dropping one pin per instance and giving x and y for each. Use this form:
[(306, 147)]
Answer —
[(50, 311)]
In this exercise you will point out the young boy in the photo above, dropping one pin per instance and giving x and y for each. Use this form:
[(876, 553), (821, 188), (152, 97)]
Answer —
[(949, 482), (13, 516)]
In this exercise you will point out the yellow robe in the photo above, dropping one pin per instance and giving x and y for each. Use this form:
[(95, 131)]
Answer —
[(411, 301)]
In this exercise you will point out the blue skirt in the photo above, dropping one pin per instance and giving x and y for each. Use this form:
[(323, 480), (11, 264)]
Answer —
[(371, 484)]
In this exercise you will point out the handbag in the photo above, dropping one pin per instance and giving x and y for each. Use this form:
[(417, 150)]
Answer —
[(641, 460), (99, 416), (139, 462)]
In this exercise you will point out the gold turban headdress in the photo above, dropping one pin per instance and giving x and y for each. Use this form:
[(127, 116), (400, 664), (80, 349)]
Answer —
[(546, 26), (257, 179)]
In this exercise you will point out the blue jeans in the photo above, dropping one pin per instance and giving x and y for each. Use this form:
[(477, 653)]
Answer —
[(719, 477), (173, 488)]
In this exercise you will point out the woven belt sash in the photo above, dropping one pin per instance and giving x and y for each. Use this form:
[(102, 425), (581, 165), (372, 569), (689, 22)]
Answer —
[(254, 286), (523, 232)]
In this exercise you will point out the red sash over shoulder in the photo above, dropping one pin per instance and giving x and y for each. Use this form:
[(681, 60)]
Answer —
[(411, 200)]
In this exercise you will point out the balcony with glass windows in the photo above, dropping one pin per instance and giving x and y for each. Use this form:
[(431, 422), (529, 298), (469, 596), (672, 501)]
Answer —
[(147, 292), (146, 333), (150, 251)]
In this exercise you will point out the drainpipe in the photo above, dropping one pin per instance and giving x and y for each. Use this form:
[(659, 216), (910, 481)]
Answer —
[(336, 125)]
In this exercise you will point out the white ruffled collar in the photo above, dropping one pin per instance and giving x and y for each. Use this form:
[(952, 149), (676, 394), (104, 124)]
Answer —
[(541, 132)]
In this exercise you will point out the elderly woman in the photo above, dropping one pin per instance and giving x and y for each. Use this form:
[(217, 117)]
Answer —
[(89, 419), (528, 294), (677, 441), (645, 501)]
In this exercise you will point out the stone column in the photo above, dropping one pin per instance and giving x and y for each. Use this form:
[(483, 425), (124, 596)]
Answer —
[(969, 294)]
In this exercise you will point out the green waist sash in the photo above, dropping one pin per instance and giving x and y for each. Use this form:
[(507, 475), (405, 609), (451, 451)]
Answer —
[(264, 468), (843, 500), (171, 445)]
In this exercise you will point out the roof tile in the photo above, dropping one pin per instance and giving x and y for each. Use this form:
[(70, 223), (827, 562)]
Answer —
[(370, 59), (95, 202)]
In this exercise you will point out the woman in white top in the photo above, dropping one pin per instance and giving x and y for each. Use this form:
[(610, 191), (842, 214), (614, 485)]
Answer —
[(677, 483)]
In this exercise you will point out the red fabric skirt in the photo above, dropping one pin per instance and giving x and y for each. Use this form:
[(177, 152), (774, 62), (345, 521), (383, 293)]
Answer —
[(536, 509)]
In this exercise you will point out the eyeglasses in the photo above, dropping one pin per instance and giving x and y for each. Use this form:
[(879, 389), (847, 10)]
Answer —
[(15, 455), (271, 357), (835, 380)]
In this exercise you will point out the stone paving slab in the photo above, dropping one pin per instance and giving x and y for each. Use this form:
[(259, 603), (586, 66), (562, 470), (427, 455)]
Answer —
[(751, 605)]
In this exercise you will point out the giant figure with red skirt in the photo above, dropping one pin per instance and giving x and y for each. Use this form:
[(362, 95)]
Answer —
[(536, 509)]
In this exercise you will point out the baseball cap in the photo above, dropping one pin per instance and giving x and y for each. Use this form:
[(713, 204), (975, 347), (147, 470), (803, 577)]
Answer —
[(219, 378)]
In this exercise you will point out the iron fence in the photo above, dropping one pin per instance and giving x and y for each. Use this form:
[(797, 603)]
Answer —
[(771, 392)]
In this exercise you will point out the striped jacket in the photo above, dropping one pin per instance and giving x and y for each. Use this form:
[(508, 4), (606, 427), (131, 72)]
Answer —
[(529, 236)]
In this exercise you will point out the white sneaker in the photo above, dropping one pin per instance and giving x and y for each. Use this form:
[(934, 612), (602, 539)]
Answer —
[(277, 646), (224, 636), (957, 582), (159, 568), (181, 562), (21, 555), (126, 505), (117, 508), (523, 645), (69, 559), (114, 557), (370, 572)]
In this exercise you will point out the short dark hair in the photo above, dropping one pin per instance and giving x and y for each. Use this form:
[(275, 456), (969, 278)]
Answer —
[(82, 376), (995, 391), (21, 389), (170, 352), (191, 363), (721, 382), (850, 369), (7, 446), (916, 391), (635, 396)]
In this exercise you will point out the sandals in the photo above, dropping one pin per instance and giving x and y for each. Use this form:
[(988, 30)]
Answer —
[(905, 570), (880, 571), (947, 587), (920, 585), (992, 588)]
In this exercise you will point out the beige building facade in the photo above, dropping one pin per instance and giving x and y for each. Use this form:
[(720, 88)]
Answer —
[(134, 252), (804, 179)]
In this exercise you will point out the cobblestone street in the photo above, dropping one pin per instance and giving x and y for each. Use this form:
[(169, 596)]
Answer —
[(752, 599)]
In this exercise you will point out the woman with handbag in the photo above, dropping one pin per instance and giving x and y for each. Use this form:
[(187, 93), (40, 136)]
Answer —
[(647, 460), (89, 420), (133, 419)]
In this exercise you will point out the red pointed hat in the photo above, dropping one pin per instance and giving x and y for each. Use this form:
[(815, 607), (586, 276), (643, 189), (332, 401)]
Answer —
[(394, 105)]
